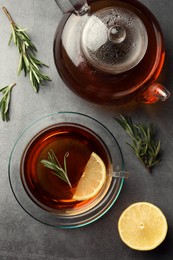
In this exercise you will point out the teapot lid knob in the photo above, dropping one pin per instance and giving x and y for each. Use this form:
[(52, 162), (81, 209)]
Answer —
[(114, 40)]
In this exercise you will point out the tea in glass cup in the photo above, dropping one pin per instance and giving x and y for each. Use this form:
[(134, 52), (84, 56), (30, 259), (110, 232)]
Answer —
[(74, 141), (42, 185)]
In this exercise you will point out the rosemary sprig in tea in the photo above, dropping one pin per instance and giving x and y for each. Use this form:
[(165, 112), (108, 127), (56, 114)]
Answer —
[(5, 101), (53, 164), (27, 51), (144, 143)]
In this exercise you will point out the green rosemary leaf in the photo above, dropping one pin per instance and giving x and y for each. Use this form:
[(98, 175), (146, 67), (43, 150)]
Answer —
[(13, 34), (26, 62), (34, 83), (27, 51), (53, 164), (34, 64), (10, 39), (157, 148), (20, 66), (4, 117), (21, 29), (36, 76), (144, 143), (36, 61), (65, 164)]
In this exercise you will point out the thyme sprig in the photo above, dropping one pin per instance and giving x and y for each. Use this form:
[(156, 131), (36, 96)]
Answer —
[(27, 51), (53, 164), (144, 143), (5, 101)]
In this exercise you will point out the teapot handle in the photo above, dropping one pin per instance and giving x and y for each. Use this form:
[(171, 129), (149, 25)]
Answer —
[(153, 94), (80, 7)]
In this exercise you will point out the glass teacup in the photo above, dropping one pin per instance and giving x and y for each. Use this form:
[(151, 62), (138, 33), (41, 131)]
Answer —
[(36, 189)]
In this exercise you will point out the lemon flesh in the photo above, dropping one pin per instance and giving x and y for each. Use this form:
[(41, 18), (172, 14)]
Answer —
[(92, 179), (142, 226)]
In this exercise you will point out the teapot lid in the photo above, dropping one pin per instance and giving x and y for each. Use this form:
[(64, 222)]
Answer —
[(114, 40)]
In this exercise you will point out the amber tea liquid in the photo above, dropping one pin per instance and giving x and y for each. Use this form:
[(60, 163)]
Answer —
[(94, 85), (43, 187)]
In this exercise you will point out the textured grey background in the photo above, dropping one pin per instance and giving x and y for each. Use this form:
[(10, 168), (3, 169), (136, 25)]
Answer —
[(22, 237)]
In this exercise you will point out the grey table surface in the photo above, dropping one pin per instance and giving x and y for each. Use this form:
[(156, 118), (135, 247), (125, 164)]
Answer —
[(22, 237)]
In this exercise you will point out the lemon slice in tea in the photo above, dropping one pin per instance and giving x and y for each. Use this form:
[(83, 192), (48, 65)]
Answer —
[(92, 179), (142, 226)]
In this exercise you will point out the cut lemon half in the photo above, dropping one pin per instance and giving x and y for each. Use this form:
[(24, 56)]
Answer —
[(92, 179), (142, 226)]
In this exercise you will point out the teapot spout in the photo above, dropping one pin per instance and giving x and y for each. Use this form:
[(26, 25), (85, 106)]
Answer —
[(80, 7), (153, 94)]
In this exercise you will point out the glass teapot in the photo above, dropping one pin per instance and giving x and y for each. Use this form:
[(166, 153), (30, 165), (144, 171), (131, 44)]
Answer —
[(110, 51)]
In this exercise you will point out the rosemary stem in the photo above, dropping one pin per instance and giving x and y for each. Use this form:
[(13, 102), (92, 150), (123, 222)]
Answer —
[(27, 52), (14, 84), (144, 142), (8, 15)]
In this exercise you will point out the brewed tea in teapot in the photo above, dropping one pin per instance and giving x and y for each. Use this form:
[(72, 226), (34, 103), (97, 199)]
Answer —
[(110, 52)]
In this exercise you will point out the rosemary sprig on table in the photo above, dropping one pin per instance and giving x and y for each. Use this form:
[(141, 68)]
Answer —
[(53, 164), (27, 51), (144, 143), (5, 101)]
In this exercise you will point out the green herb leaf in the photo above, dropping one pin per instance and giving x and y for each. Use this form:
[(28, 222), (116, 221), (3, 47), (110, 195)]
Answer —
[(27, 51), (5, 101), (144, 143), (53, 164)]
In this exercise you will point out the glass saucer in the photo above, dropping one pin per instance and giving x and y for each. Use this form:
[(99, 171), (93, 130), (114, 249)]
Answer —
[(73, 216)]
